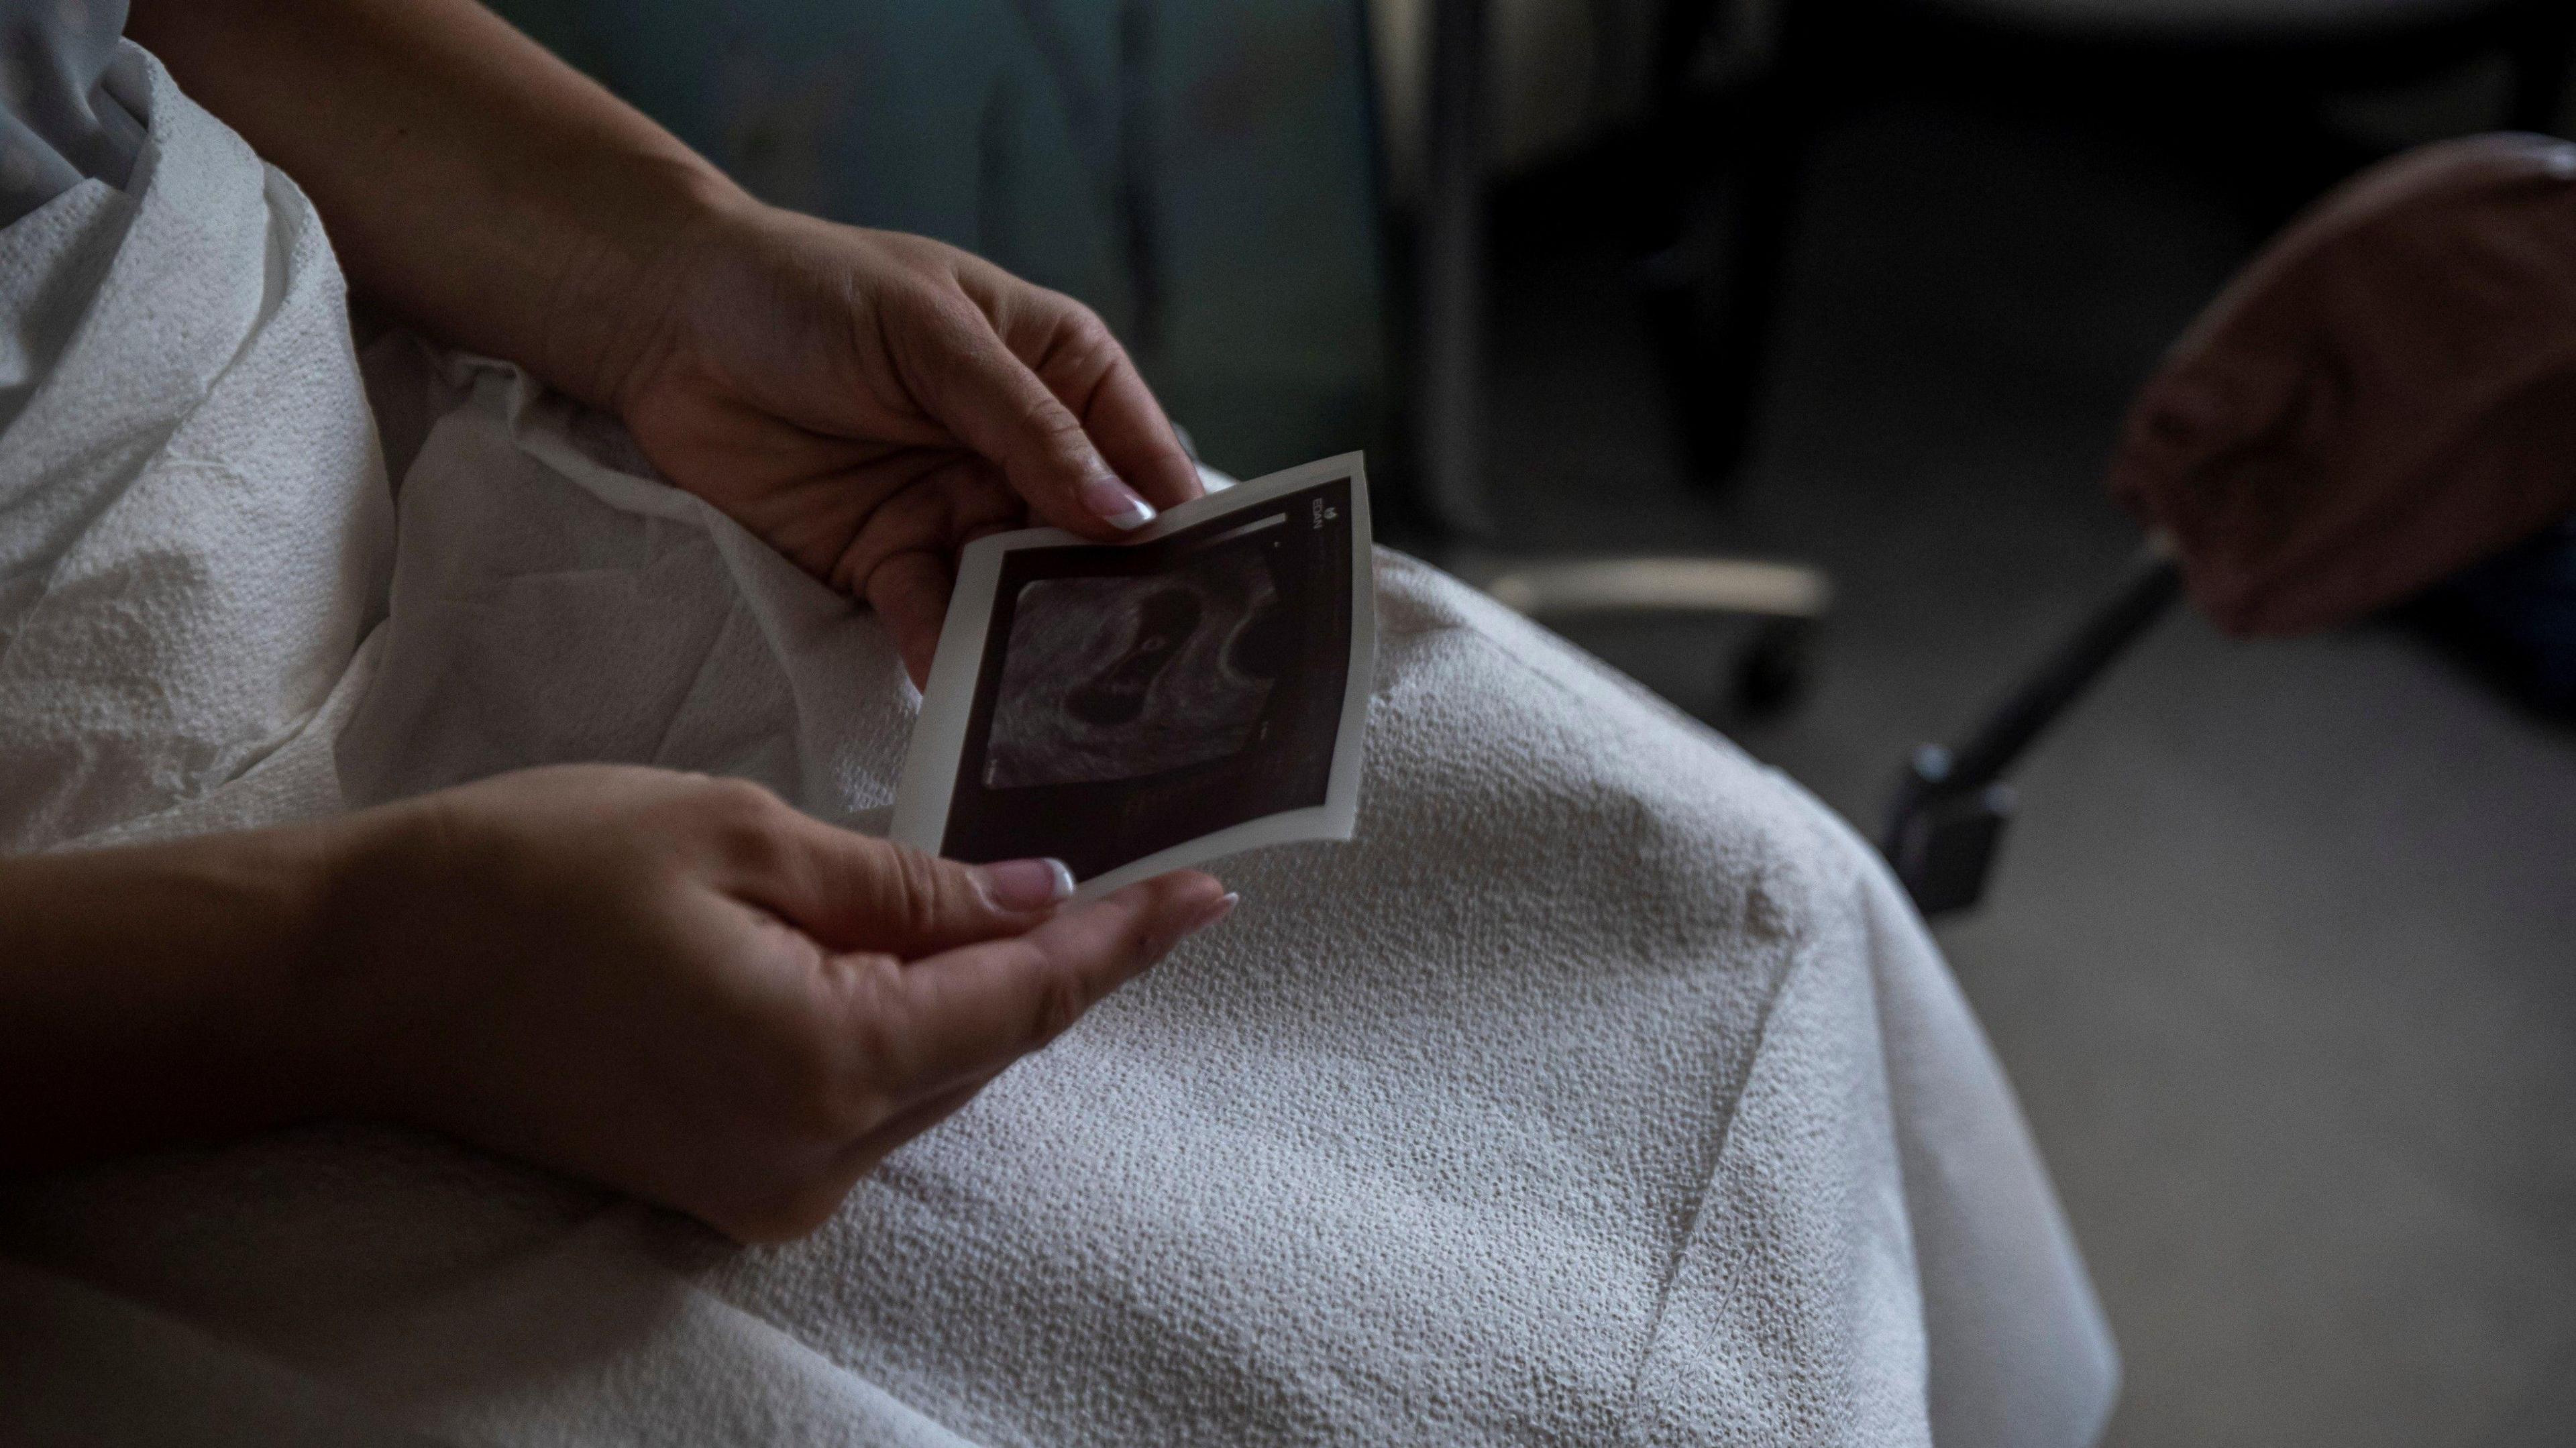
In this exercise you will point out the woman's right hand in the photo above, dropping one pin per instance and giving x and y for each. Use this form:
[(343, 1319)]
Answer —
[(682, 987)]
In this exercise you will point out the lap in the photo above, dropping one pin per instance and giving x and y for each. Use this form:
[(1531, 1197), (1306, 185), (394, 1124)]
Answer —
[(1555, 1105)]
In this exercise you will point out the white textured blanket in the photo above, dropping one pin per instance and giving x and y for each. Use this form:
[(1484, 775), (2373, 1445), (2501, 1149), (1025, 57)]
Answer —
[(1603, 1090)]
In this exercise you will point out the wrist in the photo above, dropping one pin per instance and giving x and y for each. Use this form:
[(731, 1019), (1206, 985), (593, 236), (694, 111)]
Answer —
[(366, 1001), (618, 306), (163, 993)]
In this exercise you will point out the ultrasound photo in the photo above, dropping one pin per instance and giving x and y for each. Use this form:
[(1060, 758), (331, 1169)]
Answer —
[(1113, 678), (1138, 706)]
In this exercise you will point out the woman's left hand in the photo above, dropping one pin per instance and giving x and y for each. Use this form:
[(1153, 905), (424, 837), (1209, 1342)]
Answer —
[(869, 402), (865, 401)]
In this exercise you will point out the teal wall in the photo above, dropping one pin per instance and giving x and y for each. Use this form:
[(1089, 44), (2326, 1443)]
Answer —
[(1200, 171)]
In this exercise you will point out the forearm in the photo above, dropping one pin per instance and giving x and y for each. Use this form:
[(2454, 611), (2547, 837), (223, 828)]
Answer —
[(162, 993), (469, 180)]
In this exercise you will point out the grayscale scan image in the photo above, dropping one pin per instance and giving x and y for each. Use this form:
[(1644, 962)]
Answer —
[(1103, 703), (1115, 678)]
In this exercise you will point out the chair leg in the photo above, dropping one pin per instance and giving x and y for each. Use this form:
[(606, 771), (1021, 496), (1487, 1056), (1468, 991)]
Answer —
[(1711, 336), (2541, 50), (1712, 350), (1674, 159), (1755, 272), (1450, 264)]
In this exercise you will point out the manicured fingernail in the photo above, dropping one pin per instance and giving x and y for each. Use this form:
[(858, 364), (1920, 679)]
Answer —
[(1026, 884), (1116, 503), (1219, 908)]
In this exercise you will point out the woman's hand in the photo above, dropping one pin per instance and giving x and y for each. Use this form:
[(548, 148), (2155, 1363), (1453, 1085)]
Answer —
[(865, 401), (682, 987), (671, 984), (869, 402)]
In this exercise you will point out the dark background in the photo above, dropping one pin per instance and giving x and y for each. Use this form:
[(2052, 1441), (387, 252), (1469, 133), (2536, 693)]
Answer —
[(2281, 955)]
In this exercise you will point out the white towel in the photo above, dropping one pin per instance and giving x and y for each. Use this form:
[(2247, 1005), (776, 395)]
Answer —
[(1603, 1089), (193, 524)]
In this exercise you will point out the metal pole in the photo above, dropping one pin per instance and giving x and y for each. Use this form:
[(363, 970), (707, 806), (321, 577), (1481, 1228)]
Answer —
[(1451, 273), (1947, 820), (2069, 670)]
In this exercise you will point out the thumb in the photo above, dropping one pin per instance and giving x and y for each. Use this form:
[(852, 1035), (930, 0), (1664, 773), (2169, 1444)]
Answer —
[(852, 892), (971, 1011)]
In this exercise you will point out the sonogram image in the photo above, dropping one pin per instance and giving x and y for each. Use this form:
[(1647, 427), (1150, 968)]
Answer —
[(1128, 699), (1108, 678)]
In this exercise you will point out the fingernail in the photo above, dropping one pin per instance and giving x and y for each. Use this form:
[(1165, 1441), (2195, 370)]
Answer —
[(1026, 884), (1116, 503), (1217, 910)]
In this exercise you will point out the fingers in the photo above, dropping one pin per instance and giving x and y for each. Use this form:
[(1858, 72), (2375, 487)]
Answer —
[(971, 1011), (898, 560), (996, 405), (851, 892), (909, 591), (931, 1034), (1127, 424), (1034, 381)]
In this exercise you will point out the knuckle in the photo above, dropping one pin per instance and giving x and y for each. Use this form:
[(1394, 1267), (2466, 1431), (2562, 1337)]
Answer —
[(1062, 997), (1142, 942), (868, 1044), (1046, 416), (949, 317), (747, 821), (920, 890), (1083, 331), (840, 1079), (742, 798), (1080, 348)]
